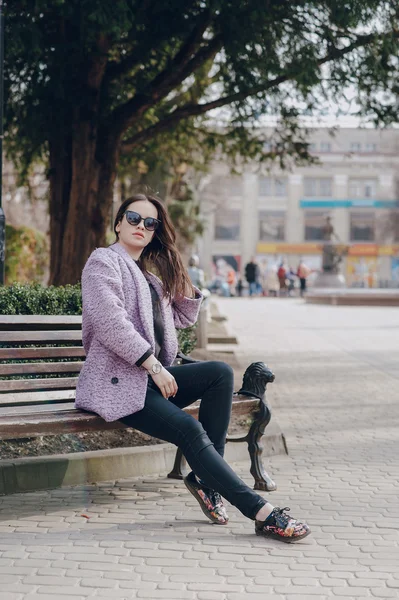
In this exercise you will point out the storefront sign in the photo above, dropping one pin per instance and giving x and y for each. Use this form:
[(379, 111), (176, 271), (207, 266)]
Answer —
[(266, 248)]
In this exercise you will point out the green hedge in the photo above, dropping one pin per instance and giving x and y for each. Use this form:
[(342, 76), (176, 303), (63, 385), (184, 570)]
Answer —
[(34, 299)]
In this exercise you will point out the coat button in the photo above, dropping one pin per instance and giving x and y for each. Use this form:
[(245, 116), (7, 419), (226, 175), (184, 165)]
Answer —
[(114, 380)]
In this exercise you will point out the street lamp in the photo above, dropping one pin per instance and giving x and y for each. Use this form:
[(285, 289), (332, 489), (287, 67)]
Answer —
[(2, 215)]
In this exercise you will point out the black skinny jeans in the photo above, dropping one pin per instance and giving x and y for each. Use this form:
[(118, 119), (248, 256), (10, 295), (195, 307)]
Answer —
[(202, 442)]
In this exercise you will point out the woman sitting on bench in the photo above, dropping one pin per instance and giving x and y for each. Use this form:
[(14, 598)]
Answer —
[(129, 321)]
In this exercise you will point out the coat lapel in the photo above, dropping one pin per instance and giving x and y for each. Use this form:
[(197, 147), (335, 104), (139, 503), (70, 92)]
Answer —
[(141, 285)]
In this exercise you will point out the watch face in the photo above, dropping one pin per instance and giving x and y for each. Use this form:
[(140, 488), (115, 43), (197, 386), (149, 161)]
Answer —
[(156, 368)]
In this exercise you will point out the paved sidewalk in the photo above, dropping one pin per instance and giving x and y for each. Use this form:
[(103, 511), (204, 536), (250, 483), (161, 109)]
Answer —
[(336, 398)]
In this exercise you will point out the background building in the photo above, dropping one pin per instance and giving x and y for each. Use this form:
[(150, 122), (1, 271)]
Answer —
[(280, 214)]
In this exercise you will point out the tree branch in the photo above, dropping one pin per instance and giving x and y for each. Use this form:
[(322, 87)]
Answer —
[(187, 60), (193, 110)]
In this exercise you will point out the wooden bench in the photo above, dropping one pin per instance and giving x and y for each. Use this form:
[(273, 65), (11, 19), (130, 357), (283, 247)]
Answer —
[(40, 359)]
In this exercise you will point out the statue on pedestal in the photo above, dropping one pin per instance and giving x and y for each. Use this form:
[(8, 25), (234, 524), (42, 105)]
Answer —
[(332, 253)]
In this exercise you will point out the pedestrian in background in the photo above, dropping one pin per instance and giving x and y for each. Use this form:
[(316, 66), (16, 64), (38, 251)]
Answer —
[(272, 282), (195, 273), (252, 276), (291, 277), (282, 278), (303, 273)]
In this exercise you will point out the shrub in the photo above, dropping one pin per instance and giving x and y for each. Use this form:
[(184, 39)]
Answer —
[(34, 299), (27, 254)]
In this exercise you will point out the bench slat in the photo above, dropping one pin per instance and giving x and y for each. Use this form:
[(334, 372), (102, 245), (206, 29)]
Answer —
[(37, 353), (21, 385), (32, 421), (39, 368), (52, 423), (38, 322), (21, 398), (16, 421), (40, 337), (37, 409)]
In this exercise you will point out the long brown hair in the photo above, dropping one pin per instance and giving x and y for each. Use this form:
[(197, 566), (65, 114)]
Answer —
[(161, 252)]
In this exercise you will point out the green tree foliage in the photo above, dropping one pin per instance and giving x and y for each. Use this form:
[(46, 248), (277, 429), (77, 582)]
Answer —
[(89, 82)]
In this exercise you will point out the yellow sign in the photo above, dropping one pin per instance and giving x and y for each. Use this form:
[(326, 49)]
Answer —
[(363, 250), (388, 250), (312, 248), (266, 248)]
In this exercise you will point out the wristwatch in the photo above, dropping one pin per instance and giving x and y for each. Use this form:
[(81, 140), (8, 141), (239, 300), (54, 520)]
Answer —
[(155, 368)]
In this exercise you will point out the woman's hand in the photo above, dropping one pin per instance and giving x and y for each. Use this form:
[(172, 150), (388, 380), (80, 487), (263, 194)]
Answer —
[(166, 383)]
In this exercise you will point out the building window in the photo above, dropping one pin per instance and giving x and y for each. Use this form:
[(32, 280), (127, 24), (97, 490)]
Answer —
[(325, 147), (265, 186), (227, 224), (312, 147), (362, 188), (271, 226), (318, 188), (362, 225), (355, 147), (315, 222), (280, 187), (270, 186), (370, 147)]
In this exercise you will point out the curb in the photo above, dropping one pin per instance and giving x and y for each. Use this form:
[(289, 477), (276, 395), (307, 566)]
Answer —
[(51, 472)]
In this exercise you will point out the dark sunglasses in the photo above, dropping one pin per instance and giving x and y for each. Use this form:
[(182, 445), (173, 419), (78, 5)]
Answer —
[(133, 218)]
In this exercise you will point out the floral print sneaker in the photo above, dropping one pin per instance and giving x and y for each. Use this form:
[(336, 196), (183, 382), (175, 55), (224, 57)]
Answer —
[(281, 526), (210, 501)]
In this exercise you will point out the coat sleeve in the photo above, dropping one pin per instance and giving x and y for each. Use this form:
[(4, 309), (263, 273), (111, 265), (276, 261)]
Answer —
[(104, 306), (185, 310)]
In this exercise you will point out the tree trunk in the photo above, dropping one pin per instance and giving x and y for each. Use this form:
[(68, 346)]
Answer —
[(80, 225), (83, 169), (60, 186)]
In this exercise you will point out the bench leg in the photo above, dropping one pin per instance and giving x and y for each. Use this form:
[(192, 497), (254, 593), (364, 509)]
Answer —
[(177, 470), (254, 439)]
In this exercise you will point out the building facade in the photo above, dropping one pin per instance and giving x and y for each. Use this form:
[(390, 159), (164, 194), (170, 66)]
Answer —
[(279, 215)]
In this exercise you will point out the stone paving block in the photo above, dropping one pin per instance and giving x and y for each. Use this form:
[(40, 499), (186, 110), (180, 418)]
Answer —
[(304, 590), (9, 579), (51, 571), (36, 596), (214, 587), (165, 594), (384, 593), (97, 583), (106, 567), (210, 596), (137, 584), (120, 594), (351, 592), (121, 576), (330, 582), (49, 580), (197, 577), (15, 571), (170, 585), (56, 591)]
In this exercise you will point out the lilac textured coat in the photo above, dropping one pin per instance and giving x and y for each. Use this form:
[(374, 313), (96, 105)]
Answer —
[(118, 329)]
